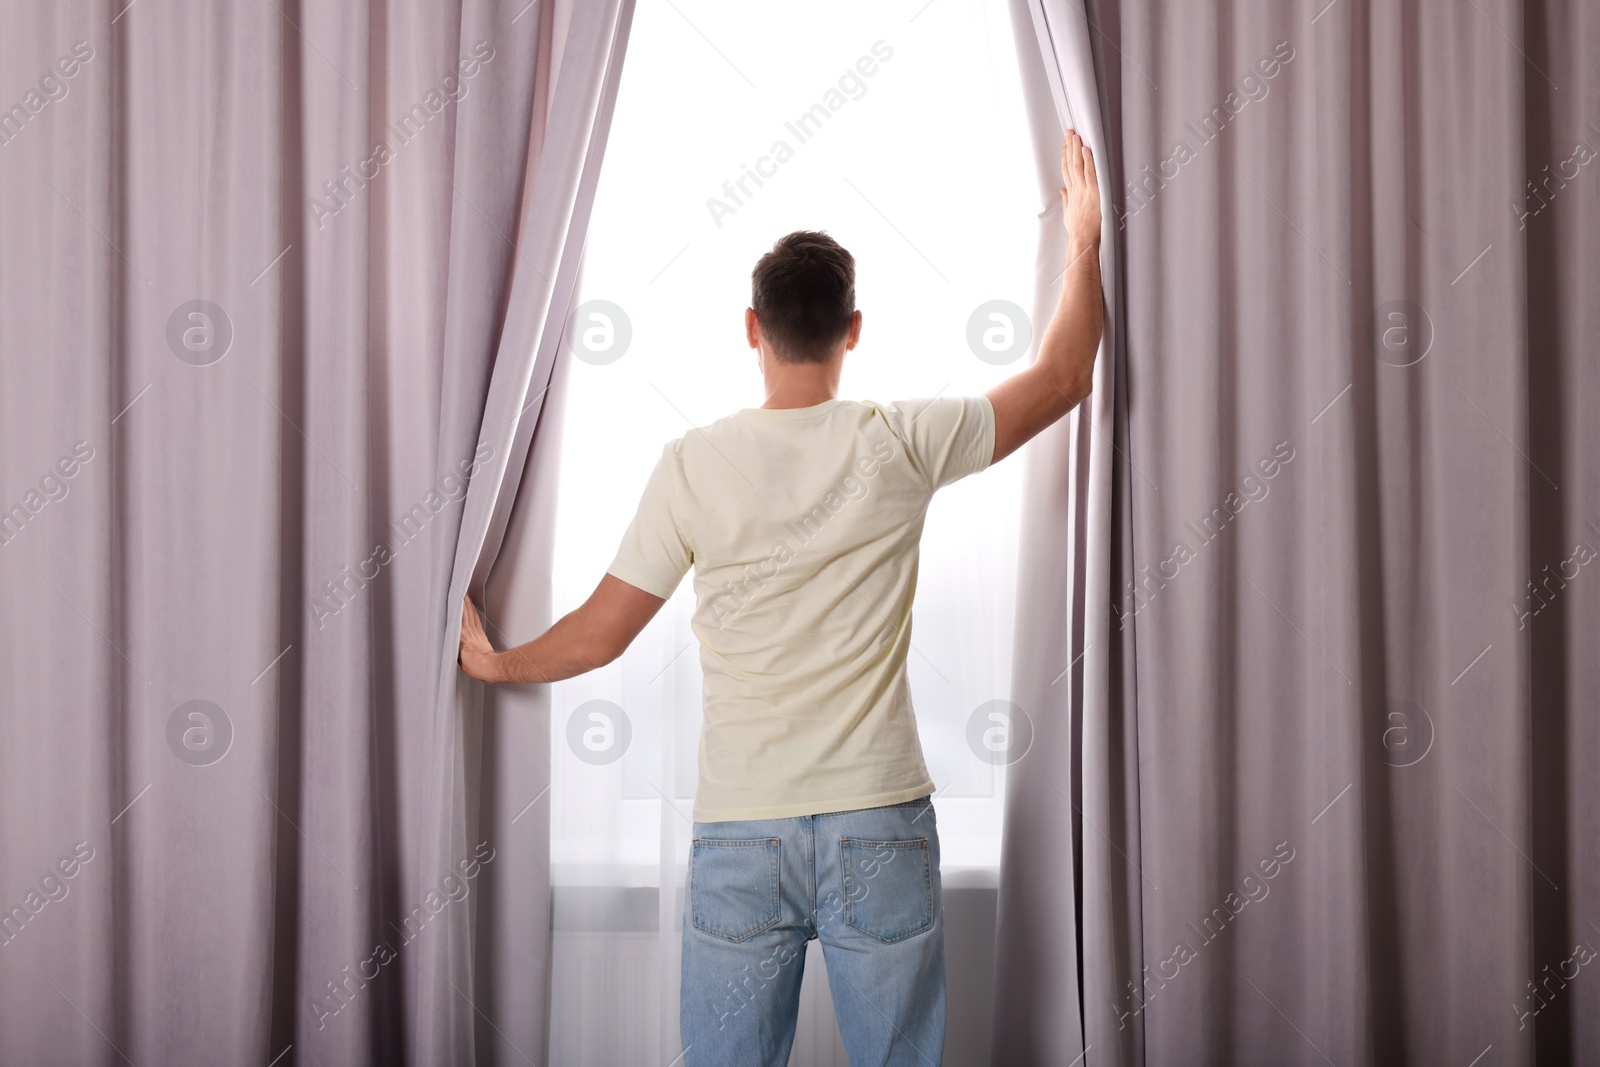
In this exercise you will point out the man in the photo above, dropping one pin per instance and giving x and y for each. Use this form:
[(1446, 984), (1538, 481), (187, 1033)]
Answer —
[(801, 520)]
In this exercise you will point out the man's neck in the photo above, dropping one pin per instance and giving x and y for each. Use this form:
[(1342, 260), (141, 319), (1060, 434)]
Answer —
[(801, 385)]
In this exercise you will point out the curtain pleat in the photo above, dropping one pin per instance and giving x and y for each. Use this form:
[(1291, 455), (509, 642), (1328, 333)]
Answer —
[(531, 350), (1065, 806)]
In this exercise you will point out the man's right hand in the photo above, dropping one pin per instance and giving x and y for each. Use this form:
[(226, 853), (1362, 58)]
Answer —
[(1080, 199)]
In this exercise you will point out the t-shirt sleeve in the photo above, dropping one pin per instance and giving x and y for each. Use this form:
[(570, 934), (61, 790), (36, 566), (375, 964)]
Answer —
[(655, 552), (948, 437)]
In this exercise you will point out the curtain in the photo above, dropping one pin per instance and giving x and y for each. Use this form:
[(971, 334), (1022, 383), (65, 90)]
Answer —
[(280, 288), (1054, 929), (1322, 786)]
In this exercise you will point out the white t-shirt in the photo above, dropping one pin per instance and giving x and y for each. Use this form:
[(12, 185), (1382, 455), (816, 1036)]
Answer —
[(802, 526)]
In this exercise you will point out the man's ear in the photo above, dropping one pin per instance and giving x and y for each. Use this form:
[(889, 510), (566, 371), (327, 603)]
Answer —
[(752, 327), (855, 331)]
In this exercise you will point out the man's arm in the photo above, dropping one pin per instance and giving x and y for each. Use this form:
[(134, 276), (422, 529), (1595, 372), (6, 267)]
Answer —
[(589, 636), (1063, 374)]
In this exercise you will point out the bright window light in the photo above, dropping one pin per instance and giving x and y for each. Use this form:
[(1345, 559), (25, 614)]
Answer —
[(900, 130)]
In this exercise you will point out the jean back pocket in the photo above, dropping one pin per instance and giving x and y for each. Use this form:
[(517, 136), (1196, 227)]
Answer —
[(888, 887), (733, 887)]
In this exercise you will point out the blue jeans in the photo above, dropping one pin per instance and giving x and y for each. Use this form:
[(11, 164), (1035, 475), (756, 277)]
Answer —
[(866, 884)]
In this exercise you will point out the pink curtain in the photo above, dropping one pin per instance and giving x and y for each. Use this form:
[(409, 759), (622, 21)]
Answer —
[(1312, 605), (281, 287)]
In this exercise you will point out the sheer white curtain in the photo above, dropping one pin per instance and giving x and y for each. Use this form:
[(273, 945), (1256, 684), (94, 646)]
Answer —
[(902, 132)]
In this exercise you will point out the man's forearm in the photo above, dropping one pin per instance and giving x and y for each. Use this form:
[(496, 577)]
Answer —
[(589, 636), (563, 651), (1067, 349)]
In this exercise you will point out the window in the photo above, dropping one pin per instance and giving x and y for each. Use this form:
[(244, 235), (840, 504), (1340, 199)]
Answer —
[(901, 131)]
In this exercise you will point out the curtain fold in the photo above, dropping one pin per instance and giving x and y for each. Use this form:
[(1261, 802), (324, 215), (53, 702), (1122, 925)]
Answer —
[(473, 808), (277, 287), (1341, 806), (1063, 925)]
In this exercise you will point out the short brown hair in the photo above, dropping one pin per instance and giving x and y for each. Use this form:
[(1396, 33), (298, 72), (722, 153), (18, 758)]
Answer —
[(804, 294)]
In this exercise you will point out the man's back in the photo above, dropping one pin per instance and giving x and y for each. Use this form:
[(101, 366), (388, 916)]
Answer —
[(802, 527)]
